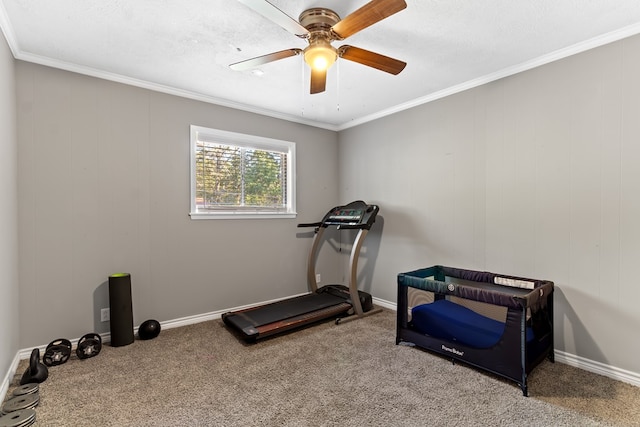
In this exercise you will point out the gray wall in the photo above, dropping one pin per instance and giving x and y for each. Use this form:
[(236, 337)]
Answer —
[(9, 321), (534, 175), (104, 188)]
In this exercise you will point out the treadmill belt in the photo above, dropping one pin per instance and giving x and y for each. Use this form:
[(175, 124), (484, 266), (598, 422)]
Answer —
[(289, 308)]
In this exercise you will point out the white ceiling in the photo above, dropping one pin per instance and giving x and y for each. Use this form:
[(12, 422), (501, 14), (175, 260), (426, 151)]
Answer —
[(185, 47)]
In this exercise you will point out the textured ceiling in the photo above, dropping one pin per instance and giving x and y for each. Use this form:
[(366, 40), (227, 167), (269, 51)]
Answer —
[(185, 47)]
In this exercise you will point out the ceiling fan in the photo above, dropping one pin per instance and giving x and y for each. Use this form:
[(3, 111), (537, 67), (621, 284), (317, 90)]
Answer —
[(321, 26)]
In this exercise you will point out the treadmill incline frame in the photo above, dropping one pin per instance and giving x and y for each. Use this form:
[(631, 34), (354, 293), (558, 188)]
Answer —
[(353, 272)]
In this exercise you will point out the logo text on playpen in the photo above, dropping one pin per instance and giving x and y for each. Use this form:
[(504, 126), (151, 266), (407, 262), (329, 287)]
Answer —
[(452, 350)]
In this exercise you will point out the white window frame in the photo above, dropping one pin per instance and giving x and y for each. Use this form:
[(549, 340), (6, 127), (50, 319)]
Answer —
[(199, 133)]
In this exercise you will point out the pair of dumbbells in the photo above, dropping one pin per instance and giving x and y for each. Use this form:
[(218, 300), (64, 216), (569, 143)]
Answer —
[(59, 351)]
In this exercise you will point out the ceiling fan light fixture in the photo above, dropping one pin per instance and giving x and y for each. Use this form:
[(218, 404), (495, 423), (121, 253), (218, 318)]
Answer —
[(320, 56)]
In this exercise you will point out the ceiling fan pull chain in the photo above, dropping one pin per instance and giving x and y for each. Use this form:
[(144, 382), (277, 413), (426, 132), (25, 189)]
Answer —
[(338, 87), (303, 88)]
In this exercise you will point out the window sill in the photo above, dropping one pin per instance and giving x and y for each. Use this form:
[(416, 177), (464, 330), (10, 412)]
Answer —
[(242, 215)]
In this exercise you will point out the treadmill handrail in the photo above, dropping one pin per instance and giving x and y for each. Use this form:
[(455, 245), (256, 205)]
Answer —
[(310, 224)]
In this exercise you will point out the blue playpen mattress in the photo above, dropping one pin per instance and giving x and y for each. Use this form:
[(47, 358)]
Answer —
[(453, 322)]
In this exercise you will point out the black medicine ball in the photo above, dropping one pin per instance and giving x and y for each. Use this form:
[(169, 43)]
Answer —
[(149, 329)]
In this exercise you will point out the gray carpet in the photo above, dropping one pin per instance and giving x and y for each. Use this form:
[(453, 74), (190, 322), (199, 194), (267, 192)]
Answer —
[(351, 374)]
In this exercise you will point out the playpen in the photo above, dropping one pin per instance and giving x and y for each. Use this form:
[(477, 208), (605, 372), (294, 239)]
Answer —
[(502, 324)]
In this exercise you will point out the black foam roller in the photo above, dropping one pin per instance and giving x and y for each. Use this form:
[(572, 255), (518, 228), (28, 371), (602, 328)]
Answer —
[(120, 309)]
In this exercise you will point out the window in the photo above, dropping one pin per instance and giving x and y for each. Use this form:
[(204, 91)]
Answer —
[(241, 176)]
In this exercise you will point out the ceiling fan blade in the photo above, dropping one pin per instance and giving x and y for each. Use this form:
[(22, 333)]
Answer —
[(371, 59), (369, 14), (264, 59), (274, 14), (318, 81)]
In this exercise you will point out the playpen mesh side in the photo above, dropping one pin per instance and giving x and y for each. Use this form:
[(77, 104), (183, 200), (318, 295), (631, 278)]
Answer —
[(477, 286)]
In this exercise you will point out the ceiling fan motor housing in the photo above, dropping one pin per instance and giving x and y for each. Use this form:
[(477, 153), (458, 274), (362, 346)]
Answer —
[(318, 19)]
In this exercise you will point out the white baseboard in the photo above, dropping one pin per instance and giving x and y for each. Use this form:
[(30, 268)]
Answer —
[(4, 387), (385, 304), (588, 365), (618, 374)]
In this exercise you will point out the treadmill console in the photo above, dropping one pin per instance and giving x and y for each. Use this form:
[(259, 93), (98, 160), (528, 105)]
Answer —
[(354, 215)]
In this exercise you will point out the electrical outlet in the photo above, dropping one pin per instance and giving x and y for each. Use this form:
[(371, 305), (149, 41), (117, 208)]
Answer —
[(104, 315), (318, 278)]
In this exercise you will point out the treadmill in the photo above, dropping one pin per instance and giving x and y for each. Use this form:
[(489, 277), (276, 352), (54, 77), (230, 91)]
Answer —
[(331, 301)]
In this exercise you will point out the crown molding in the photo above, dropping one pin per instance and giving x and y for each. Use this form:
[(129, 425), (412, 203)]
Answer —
[(559, 54), (577, 48)]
